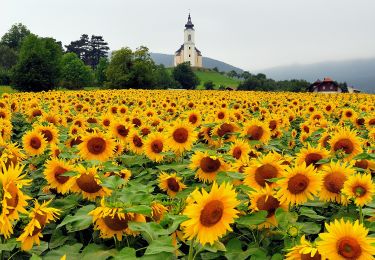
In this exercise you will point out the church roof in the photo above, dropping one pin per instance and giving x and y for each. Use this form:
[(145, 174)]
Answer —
[(189, 24), (180, 49)]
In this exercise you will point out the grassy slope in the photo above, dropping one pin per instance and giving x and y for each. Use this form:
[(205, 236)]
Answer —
[(6, 89), (217, 78)]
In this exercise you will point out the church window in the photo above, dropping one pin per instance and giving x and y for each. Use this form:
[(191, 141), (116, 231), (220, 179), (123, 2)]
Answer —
[(189, 55), (189, 37), (189, 48)]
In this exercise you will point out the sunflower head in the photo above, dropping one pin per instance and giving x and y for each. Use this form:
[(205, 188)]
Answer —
[(170, 183), (96, 146)]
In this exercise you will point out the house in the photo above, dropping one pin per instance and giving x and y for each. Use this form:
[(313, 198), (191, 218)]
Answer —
[(325, 86)]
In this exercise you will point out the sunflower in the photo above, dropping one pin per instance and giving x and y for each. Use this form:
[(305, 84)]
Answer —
[(304, 251), (261, 169), (158, 211), (312, 155), (181, 137), (360, 188), (13, 199), (225, 131), (171, 183), (207, 166), (121, 130), (10, 153), (194, 117), (113, 222), (96, 146), (324, 140), (54, 168), (154, 147), (34, 143), (135, 142), (210, 214), (49, 132), (40, 216), (265, 199), (239, 150), (256, 130), (87, 183), (346, 240), (299, 184), (346, 141)]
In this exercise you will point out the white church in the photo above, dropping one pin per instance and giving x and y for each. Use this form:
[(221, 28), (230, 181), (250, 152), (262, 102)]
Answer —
[(188, 52)]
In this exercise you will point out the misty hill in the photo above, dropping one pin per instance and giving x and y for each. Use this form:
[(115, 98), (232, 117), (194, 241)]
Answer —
[(167, 61), (359, 73)]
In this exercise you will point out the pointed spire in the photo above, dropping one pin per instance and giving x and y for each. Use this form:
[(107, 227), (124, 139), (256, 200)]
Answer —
[(189, 24)]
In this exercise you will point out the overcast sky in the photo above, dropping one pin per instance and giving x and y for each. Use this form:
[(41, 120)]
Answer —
[(250, 34)]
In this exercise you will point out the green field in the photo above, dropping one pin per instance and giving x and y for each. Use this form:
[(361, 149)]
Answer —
[(217, 78), (6, 89)]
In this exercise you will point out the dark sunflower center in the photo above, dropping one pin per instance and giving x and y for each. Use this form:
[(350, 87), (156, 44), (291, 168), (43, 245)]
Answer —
[(359, 191), (42, 219), (13, 200), (220, 115), (255, 132), (264, 172), (173, 184), (37, 113), (334, 182), (145, 131), (212, 213), (122, 130), (137, 141), (2, 114), (193, 119), (270, 204), (348, 114), (106, 122), (96, 145), (361, 164), (237, 152), (87, 183), (35, 143), (344, 144), (209, 165), (298, 183), (371, 121), (308, 256), (75, 141), (313, 158), (59, 171), (360, 121), (115, 223), (180, 135), (349, 248), (157, 146), (272, 125), (47, 135), (325, 141), (225, 129), (137, 122)]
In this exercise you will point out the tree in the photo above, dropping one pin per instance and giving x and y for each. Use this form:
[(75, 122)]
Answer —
[(14, 37), (80, 47), (38, 66), (89, 50), (128, 69), (183, 74), (163, 79), (8, 57), (209, 85), (98, 49), (232, 74), (215, 69), (74, 73), (100, 72)]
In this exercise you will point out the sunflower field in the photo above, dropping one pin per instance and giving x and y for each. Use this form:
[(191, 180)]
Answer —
[(126, 174)]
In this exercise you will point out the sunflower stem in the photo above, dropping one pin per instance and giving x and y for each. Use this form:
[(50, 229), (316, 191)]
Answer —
[(360, 215), (191, 250)]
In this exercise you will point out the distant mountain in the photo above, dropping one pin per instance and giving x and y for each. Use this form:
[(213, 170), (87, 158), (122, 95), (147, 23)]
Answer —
[(167, 61), (359, 73)]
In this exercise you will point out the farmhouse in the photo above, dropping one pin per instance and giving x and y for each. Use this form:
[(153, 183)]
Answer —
[(188, 52), (325, 86)]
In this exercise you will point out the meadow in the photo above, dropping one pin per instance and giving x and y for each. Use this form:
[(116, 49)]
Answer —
[(127, 174)]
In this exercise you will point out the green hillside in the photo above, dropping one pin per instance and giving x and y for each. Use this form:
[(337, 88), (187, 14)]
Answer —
[(218, 79)]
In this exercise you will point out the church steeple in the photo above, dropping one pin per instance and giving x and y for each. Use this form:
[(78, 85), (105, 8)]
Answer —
[(189, 24)]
